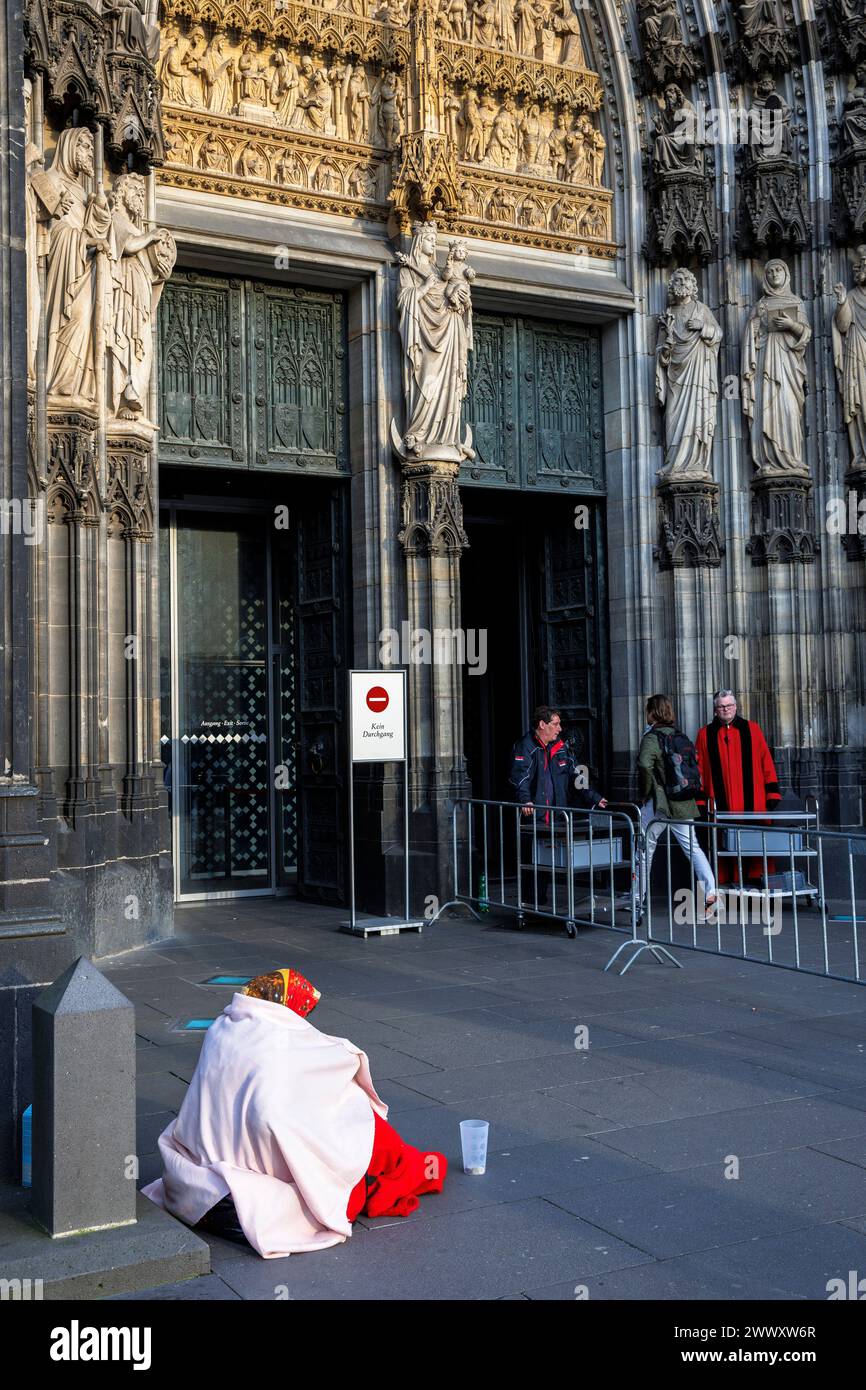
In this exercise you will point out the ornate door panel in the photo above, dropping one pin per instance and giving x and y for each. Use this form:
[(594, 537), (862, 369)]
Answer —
[(534, 404), (322, 587), (561, 439), (201, 391), (298, 388), (252, 375), (490, 406)]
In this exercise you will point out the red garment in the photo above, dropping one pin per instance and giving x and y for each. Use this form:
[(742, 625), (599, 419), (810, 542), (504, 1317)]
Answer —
[(738, 772), (398, 1174)]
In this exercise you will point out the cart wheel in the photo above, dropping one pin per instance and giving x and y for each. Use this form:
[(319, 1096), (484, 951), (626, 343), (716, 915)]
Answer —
[(571, 929)]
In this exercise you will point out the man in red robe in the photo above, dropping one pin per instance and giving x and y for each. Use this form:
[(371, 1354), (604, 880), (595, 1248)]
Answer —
[(737, 771)]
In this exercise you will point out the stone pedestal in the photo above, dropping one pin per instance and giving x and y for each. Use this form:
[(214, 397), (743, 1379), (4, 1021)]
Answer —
[(772, 207), (689, 525), (783, 524), (681, 217), (83, 1104), (849, 180), (433, 538)]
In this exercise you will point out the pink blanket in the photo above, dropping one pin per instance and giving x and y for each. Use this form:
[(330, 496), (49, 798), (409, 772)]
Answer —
[(278, 1115)]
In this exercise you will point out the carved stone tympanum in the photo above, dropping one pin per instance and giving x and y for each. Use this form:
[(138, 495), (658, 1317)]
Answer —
[(472, 113)]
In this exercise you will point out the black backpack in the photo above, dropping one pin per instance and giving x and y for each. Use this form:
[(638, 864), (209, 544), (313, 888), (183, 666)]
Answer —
[(682, 776)]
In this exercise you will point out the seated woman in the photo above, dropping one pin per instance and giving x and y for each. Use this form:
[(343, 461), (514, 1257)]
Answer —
[(281, 1136)]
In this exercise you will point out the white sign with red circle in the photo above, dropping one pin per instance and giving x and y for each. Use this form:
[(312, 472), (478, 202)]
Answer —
[(378, 716)]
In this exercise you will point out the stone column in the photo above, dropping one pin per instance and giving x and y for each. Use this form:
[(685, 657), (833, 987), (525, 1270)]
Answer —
[(433, 538)]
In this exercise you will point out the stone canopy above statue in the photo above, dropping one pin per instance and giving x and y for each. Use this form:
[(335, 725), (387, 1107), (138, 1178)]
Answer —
[(311, 104)]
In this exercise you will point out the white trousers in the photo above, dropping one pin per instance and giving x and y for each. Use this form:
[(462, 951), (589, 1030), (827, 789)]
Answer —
[(687, 839)]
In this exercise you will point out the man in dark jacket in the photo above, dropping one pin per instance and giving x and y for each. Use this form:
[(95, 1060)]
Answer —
[(544, 772)]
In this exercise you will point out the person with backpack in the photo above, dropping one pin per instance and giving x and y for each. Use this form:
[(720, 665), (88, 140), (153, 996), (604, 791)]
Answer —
[(669, 782)]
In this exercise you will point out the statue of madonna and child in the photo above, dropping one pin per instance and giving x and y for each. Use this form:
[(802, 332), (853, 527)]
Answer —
[(434, 307)]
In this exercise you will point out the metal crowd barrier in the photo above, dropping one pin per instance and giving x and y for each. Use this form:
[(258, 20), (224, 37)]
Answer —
[(807, 912), (547, 864), (769, 909)]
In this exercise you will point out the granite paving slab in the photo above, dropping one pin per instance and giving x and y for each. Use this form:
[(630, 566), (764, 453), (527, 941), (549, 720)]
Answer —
[(680, 1213), (489, 1252), (795, 1266), (770, 1128)]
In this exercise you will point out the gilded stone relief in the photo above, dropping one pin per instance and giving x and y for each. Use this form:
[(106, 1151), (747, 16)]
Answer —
[(364, 109)]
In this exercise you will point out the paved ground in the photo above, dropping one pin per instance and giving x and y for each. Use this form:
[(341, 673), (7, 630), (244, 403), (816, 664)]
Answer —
[(608, 1175)]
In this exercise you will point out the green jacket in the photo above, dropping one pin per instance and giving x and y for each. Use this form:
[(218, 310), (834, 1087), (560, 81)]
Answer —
[(651, 778)]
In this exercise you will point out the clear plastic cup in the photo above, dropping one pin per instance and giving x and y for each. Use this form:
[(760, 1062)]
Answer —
[(473, 1139)]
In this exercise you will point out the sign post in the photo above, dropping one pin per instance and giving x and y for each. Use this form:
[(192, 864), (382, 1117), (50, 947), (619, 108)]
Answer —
[(378, 734)]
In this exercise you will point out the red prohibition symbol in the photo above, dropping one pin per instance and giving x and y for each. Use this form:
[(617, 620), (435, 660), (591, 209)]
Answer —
[(377, 699)]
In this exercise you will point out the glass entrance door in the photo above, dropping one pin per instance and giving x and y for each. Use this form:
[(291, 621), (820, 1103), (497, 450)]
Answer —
[(217, 751)]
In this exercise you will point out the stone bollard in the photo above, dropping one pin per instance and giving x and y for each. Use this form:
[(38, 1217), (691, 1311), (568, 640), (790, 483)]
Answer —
[(83, 1104)]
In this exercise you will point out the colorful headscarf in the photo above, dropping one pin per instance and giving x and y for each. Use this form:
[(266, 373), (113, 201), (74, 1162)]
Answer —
[(285, 987)]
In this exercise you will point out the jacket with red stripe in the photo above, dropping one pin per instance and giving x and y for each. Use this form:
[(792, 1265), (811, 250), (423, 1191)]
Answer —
[(545, 776)]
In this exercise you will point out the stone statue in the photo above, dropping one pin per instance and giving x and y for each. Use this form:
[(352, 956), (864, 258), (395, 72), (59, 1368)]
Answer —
[(687, 381), (774, 374), (358, 102), (556, 151), (32, 168), (675, 148), (78, 223), (385, 105), (132, 33), (194, 67), (458, 19), (759, 18), (218, 75), (141, 262), (770, 123), (849, 354), (524, 22), (473, 131), (284, 87), (171, 68), (502, 149), (363, 182), (854, 114), (532, 142), (660, 23), (313, 107), (567, 24), (435, 317), (213, 156), (252, 76)]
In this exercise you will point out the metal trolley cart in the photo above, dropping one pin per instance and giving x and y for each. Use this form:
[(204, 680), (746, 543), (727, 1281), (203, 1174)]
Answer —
[(781, 837), (577, 842)]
